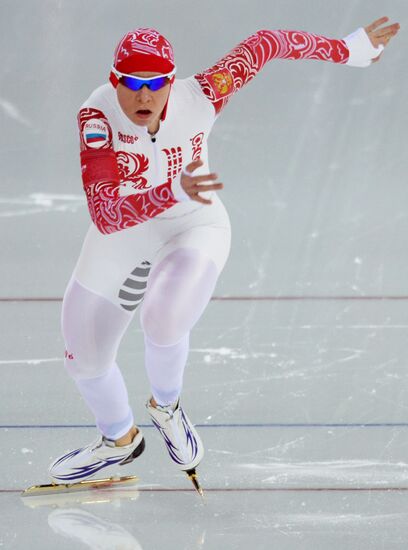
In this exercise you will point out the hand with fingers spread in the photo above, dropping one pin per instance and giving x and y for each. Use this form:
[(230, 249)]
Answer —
[(194, 185), (380, 35)]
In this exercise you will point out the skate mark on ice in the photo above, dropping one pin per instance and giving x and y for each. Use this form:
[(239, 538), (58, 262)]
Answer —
[(374, 473), (30, 361), (40, 203)]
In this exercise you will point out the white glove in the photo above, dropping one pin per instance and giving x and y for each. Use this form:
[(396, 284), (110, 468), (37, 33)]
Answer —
[(362, 52)]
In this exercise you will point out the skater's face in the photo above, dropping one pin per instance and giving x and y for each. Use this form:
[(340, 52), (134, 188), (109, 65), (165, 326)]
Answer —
[(144, 107)]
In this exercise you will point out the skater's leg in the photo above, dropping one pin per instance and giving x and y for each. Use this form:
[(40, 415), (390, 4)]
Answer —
[(107, 398), (93, 328), (183, 277), (178, 291), (182, 280), (179, 288), (99, 304)]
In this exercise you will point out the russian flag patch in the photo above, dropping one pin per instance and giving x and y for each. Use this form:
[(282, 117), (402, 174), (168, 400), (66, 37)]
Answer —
[(95, 133)]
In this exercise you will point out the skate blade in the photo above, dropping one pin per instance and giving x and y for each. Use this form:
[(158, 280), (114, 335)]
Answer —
[(89, 484), (192, 474)]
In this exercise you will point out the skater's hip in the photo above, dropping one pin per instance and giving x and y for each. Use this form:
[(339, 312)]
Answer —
[(116, 266)]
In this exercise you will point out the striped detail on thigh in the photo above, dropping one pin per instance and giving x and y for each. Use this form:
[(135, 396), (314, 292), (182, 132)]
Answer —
[(133, 289)]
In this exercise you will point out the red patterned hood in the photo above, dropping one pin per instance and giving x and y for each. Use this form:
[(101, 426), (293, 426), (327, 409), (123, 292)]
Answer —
[(144, 50)]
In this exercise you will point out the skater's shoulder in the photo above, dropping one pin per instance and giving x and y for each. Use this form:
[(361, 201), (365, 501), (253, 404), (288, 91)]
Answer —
[(189, 92), (187, 86), (100, 98)]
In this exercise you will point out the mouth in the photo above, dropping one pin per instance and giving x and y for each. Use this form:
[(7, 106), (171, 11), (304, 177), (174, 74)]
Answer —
[(144, 112)]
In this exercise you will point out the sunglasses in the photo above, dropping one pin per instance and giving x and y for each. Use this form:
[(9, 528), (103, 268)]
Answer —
[(136, 83)]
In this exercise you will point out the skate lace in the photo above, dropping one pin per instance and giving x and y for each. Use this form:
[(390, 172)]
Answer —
[(168, 410)]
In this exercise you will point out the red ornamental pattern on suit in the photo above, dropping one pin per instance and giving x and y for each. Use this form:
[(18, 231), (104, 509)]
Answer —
[(240, 66), (111, 213), (131, 167), (174, 162), (196, 143)]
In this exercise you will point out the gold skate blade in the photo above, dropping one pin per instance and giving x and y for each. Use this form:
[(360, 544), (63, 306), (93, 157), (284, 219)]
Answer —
[(89, 484), (192, 474)]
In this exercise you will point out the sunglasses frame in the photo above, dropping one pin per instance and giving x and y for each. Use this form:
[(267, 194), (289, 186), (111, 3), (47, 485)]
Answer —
[(147, 79)]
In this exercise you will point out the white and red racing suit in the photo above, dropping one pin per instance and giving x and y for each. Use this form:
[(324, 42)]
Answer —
[(148, 242)]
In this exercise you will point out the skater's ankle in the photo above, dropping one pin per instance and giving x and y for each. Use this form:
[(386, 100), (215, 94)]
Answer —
[(155, 405), (127, 438)]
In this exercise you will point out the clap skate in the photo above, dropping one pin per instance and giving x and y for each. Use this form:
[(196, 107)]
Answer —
[(182, 440), (75, 470)]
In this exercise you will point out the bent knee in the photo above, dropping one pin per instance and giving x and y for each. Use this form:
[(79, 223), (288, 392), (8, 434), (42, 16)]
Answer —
[(80, 366), (161, 328)]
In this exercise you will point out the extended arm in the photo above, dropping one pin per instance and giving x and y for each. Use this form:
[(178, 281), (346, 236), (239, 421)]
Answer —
[(240, 66)]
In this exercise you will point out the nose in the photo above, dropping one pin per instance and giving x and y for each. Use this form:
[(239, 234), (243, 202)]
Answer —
[(144, 94)]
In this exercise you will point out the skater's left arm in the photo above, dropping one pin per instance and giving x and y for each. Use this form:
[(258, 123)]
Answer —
[(239, 67)]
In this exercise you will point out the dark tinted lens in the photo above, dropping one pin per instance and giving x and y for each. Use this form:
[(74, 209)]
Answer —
[(158, 83), (132, 83), (135, 84)]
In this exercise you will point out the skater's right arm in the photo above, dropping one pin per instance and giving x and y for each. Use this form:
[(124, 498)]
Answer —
[(109, 211)]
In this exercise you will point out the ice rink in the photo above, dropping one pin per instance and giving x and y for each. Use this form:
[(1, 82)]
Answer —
[(297, 378)]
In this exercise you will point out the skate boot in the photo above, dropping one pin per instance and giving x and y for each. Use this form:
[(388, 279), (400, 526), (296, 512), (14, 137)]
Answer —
[(182, 440), (84, 463)]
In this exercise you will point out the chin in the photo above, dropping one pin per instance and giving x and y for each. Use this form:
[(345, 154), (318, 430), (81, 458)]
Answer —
[(141, 122)]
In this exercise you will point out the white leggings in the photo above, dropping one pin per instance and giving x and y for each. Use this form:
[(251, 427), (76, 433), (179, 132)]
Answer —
[(168, 265)]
